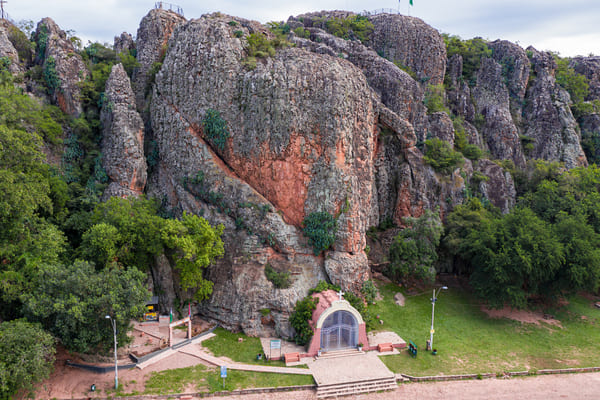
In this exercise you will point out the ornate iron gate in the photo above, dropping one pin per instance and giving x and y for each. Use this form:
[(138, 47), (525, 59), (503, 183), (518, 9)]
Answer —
[(339, 331)]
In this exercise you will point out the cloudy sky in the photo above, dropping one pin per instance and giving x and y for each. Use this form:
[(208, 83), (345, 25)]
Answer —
[(569, 27)]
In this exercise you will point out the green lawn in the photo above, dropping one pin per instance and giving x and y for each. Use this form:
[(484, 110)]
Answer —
[(208, 379), (226, 344), (469, 342)]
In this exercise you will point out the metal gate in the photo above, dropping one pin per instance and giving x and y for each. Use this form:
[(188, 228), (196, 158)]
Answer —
[(339, 331)]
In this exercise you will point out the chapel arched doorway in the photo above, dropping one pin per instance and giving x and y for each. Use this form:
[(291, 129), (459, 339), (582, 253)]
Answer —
[(339, 331)]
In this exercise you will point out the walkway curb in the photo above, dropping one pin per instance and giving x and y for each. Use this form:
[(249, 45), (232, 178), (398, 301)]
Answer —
[(489, 375)]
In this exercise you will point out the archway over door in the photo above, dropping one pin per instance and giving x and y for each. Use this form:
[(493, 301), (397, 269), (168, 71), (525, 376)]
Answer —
[(339, 331)]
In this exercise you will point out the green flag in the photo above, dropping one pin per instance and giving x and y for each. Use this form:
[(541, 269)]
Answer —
[(410, 2)]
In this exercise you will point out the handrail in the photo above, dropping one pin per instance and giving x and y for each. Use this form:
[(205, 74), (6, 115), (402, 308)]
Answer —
[(379, 11), (168, 6)]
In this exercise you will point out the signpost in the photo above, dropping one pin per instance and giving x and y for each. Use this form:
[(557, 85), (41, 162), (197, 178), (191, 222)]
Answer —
[(275, 344), (223, 374)]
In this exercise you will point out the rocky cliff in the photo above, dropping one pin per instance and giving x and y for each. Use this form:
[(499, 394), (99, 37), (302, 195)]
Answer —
[(258, 129), (64, 70)]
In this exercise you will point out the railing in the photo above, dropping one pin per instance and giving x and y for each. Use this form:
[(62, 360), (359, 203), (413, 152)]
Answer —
[(379, 11), (168, 6)]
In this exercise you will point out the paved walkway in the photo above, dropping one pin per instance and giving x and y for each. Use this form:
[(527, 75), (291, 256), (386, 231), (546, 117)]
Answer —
[(197, 351), (360, 367)]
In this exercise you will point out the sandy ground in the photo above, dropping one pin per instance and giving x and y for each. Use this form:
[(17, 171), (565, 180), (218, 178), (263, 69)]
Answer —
[(551, 387)]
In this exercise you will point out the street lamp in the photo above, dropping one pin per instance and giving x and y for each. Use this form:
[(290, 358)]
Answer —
[(114, 325), (433, 299)]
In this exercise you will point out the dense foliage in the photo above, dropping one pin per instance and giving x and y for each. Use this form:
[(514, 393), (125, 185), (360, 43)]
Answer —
[(281, 280), (26, 356), (355, 27), (471, 51), (299, 319), (414, 250), (440, 155), (320, 228), (71, 301), (546, 246)]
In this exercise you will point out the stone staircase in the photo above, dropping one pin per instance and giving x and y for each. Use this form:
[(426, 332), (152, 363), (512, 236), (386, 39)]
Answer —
[(340, 353), (357, 387)]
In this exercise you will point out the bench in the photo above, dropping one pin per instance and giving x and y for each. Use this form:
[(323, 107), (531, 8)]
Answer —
[(291, 357), (412, 348), (385, 347)]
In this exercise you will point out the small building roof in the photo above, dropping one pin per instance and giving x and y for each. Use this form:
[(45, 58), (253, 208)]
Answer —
[(326, 299)]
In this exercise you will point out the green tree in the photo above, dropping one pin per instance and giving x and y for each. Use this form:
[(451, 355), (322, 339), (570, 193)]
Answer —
[(26, 356), (72, 301), (513, 258), (195, 244), (414, 250)]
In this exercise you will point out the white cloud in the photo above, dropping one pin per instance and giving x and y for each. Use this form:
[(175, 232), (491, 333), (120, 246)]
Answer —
[(565, 26)]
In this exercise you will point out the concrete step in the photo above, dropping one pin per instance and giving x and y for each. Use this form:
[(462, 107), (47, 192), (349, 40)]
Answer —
[(340, 353), (353, 388)]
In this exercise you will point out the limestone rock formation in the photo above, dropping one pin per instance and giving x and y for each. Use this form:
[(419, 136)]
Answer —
[(492, 101), (302, 129), (63, 67), (459, 92), (123, 43), (152, 36), (411, 42), (7, 49), (590, 68), (548, 118), (122, 137), (499, 188)]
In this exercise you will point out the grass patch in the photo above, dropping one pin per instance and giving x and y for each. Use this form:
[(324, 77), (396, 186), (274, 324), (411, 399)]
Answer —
[(208, 379), (226, 344), (470, 342)]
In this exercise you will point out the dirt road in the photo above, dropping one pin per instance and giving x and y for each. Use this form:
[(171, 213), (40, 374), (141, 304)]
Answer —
[(548, 387)]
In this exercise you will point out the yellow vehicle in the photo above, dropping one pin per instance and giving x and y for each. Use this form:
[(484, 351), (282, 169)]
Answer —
[(151, 313)]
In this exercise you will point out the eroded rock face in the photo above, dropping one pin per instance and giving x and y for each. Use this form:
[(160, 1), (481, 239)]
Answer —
[(122, 137), (590, 68), (152, 36), (440, 126), (492, 101), (7, 49), (412, 42), (548, 118), (62, 64), (499, 188), (515, 70), (459, 92), (123, 43), (302, 129)]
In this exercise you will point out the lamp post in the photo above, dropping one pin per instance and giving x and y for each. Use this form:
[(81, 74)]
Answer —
[(114, 325), (433, 299)]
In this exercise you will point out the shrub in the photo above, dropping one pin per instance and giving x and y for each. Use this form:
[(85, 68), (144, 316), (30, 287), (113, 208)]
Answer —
[(50, 75), (434, 99), (215, 128), (301, 32), (352, 27), (472, 51), (369, 290), (299, 319), (441, 157), (21, 43), (323, 286), (281, 280), (320, 229)]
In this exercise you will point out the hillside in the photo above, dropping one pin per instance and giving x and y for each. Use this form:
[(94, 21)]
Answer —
[(309, 141)]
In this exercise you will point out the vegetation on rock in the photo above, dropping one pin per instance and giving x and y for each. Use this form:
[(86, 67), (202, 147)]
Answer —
[(441, 156), (320, 228)]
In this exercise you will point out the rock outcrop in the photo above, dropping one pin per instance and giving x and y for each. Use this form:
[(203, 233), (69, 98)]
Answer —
[(548, 118), (7, 49), (412, 43), (152, 36), (590, 68), (122, 137), (302, 129), (498, 187), (123, 43), (64, 69), (491, 97)]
